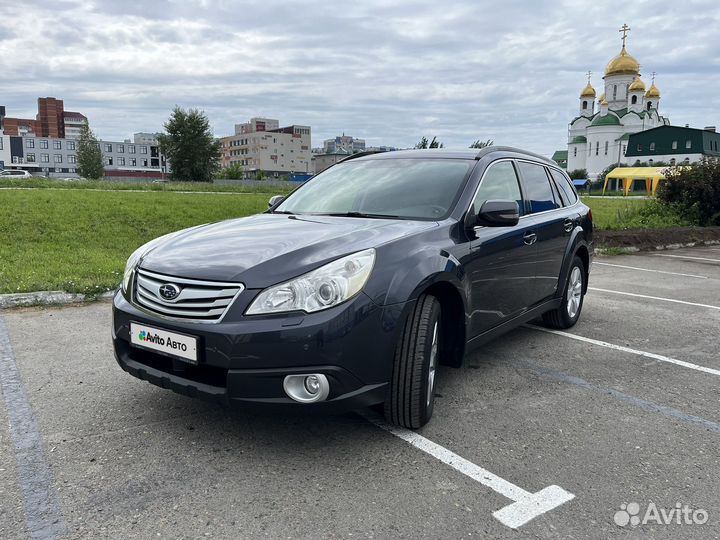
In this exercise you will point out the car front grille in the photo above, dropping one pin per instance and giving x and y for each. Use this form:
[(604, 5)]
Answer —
[(205, 301)]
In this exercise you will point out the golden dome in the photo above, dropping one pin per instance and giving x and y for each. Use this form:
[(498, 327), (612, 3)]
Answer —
[(653, 92), (603, 101), (637, 85), (623, 64), (588, 91), (601, 98)]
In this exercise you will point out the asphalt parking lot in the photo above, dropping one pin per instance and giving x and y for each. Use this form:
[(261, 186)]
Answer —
[(622, 410)]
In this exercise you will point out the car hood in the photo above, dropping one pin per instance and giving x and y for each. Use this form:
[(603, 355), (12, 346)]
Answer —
[(266, 249)]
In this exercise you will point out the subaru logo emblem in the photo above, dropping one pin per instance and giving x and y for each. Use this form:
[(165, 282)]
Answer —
[(169, 291)]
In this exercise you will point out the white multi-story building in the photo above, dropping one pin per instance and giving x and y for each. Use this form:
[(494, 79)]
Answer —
[(74, 122), (343, 143), (598, 137), (261, 147), (49, 156), (5, 155)]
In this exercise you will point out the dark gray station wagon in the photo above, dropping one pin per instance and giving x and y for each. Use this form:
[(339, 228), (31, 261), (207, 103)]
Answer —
[(350, 291)]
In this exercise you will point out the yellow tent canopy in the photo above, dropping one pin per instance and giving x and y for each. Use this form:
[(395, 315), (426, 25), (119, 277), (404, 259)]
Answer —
[(652, 176)]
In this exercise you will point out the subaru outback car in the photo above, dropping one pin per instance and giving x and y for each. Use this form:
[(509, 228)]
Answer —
[(350, 291)]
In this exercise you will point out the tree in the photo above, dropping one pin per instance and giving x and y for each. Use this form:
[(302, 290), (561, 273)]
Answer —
[(578, 174), (189, 146), (693, 191), (482, 144), (232, 172), (432, 144), (89, 156)]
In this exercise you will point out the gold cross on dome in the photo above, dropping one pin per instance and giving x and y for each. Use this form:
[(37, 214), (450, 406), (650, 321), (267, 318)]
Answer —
[(624, 30), (653, 77), (589, 74)]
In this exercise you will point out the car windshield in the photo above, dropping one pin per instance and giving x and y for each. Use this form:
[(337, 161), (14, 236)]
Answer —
[(393, 188)]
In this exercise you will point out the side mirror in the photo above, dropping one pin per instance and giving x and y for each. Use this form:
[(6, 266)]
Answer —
[(275, 199), (499, 214)]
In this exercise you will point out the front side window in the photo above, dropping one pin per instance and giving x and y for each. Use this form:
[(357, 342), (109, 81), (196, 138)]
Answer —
[(423, 189), (108, 147), (537, 187), (30, 143), (57, 145), (143, 149), (688, 144), (72, 158), (131, 149), (44, 158), (121, 161), (70, 145), (674, 145), (58, 158), (43, 143), (30, 158), (121, 148), (499, 183), (606, 147)]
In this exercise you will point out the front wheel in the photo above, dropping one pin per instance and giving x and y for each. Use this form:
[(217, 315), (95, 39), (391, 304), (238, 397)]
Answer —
[(411, 395), (568, 313)]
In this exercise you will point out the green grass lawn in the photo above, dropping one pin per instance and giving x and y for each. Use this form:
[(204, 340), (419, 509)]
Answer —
[(78, 241), (615, 213), (38, 182)]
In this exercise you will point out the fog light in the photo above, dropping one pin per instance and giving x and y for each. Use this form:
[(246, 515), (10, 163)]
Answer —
[(307, 388), (312, 384)]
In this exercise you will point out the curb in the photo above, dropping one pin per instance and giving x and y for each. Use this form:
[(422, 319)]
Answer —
[(633, 249), (48, 298)]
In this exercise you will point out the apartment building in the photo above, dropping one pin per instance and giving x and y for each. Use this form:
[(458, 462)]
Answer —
[(50, 156), (344, 143), (261, 147), (52, 120)]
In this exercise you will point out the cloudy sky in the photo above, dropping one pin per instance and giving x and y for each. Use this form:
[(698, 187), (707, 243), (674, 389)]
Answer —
[(389, 72)]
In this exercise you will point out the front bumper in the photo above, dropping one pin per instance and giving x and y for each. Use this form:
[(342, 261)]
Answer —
[(244, 360)]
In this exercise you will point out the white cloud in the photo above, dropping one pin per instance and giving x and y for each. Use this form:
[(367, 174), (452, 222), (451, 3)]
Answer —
[(459, 70)]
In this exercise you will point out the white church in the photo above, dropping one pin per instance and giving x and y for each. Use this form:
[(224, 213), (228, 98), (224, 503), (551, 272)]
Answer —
[(598, 137)]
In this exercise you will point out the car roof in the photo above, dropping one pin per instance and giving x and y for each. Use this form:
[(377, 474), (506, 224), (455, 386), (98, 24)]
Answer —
[(446, 153)]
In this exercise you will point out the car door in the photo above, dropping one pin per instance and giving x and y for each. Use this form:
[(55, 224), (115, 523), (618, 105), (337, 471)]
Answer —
[(549, 220), (501, 261)]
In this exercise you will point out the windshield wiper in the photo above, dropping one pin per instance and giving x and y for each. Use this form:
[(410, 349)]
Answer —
[(283, 212), (362, 215)]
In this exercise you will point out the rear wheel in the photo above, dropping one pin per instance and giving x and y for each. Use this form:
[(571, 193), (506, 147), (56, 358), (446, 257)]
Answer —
[(568, 313), (411, 395)]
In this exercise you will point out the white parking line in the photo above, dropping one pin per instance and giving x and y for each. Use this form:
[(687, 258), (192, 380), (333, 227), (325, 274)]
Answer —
[(526, 505), (654, 356), (686, 257), (655, 298), (649, 270)]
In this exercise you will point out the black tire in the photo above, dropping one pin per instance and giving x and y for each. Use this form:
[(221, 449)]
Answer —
[(565, 316), (409, 403)]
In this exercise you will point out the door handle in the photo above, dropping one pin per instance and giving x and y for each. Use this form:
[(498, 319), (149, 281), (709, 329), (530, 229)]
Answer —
[(529, 238), (568, 225)]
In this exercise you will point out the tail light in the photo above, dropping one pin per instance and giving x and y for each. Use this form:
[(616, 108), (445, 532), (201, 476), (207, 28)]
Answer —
[(589, 214)]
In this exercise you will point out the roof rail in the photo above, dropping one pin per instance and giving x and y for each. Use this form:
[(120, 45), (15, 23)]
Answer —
[(488, 149), (361, 154)]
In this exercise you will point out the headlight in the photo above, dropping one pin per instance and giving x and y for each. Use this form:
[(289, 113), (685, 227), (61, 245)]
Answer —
[(320, 289), (130, 267)]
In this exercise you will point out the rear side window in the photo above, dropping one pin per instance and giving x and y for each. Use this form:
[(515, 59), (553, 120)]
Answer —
[(537, 187), (500, 182), (567, 191)]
